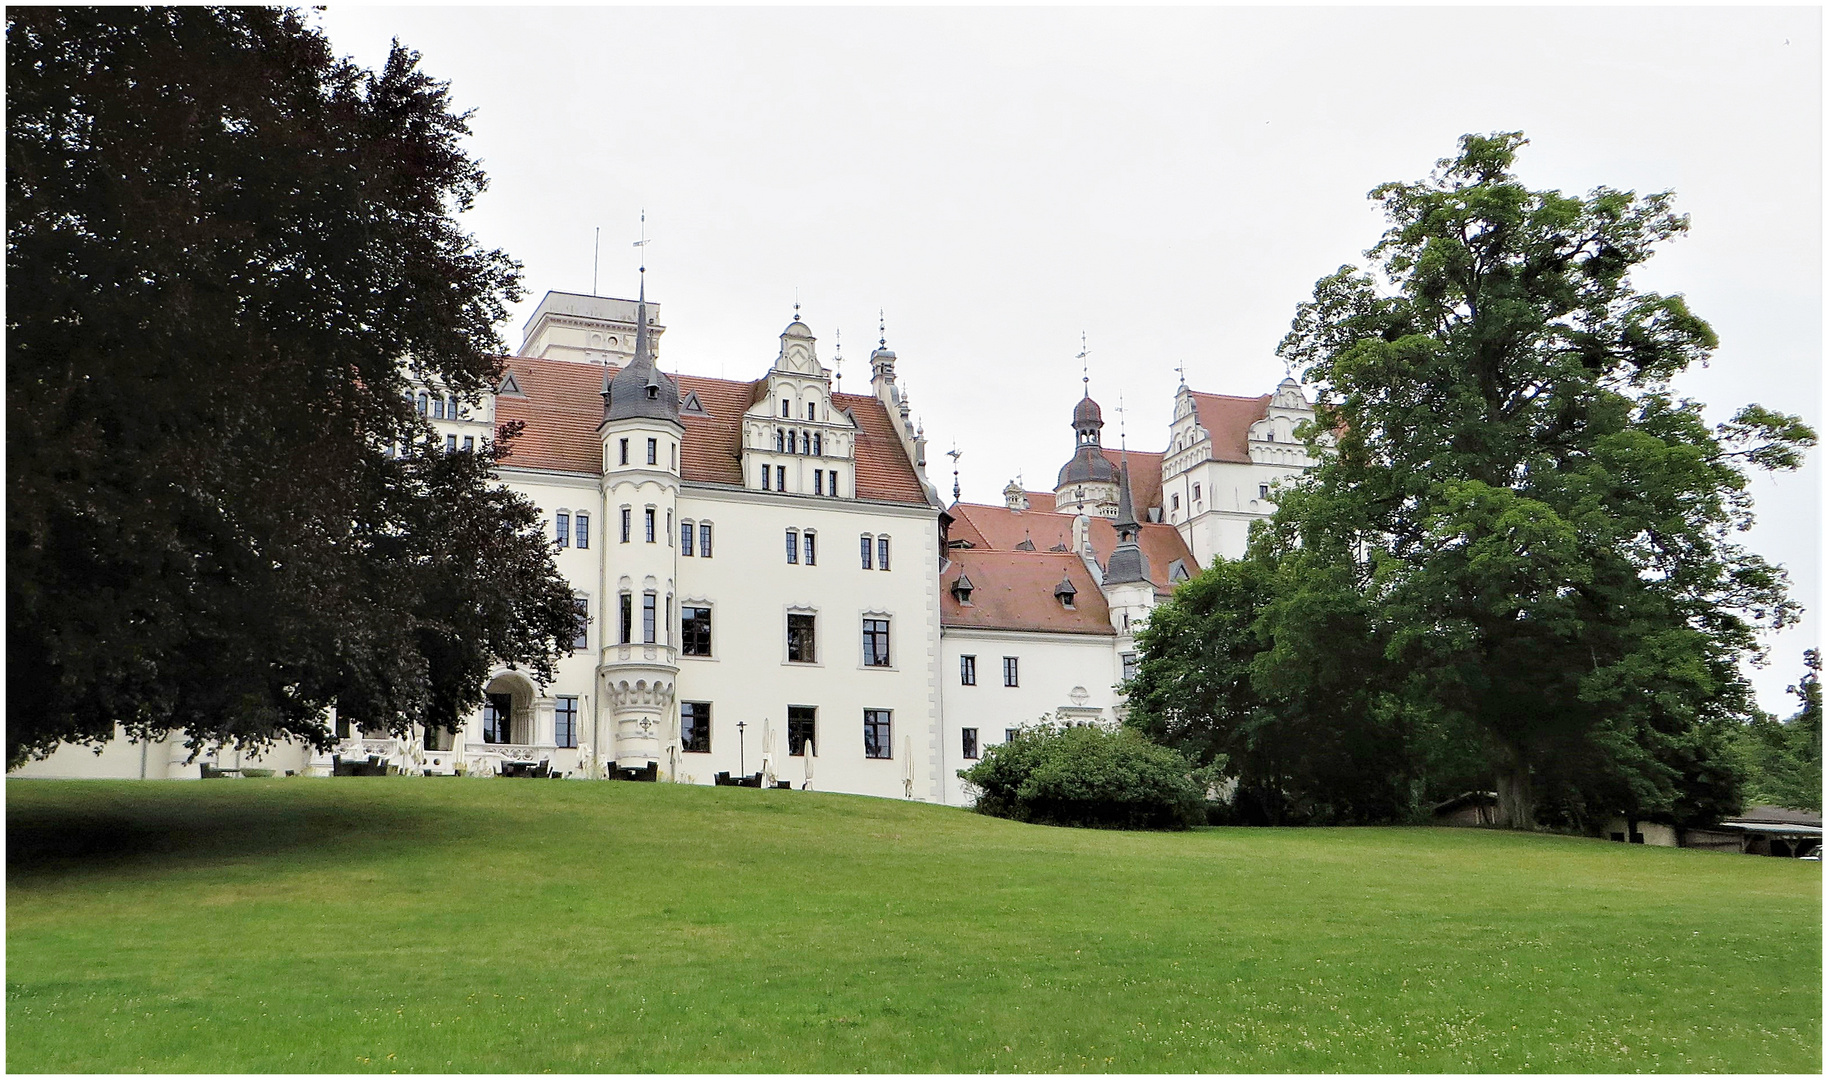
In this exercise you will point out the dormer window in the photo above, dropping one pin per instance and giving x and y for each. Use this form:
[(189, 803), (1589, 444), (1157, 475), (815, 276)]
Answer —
[(961, 589), (1064, 592), (653, 392)]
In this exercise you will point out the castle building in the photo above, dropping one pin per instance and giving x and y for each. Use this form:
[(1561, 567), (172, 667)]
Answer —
[(773, 585)]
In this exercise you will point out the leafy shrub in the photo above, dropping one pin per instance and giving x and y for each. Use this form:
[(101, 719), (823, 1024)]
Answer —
[(1089, 777)]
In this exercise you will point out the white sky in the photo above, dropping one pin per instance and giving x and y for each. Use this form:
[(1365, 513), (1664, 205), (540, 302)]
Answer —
[(1171, 182)]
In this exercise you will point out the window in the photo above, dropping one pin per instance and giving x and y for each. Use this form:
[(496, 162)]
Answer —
[(695, 630), (672, 456), (818, 481), (469, 444), (704, 539), (875, 643), (802, 730), (967, 671), (628, 619), (786, 409), (425, 404), (437, 408), (669, 528), (450, 444), (650, 524), (1262, 491), (818, 443), (1009, 671), (812, 550), (767, 474), (865, 552), (565, 722), (805, 442), (624, 459), (834, 481), (1174, 502), (780, 478), (793, 546), (1129, 665), (877, 742), (685, 539), (1196, 493), (627, 515), (970, 741), (647, 618), (695, 727), (580, 529), (582, 640), (780, 441), (882, 553), (667, 624), (562, 526), (653, 451), (810, 413), (1009, 734), (497, 718), (800, 647)]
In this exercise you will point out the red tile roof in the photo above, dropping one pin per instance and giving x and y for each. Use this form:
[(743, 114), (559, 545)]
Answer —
[(1145, 478), (563, 407), (1014, 590), (998, 528), (1228, 419)]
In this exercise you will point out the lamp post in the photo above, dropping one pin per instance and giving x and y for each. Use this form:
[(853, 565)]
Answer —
[(742, 769)]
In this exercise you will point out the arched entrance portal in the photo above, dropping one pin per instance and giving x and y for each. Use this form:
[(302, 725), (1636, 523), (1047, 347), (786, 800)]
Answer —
[(507, 711)]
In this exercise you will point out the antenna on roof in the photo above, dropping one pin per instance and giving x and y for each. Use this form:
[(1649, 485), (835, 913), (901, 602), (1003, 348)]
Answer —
[(595, 244), (955, 453)]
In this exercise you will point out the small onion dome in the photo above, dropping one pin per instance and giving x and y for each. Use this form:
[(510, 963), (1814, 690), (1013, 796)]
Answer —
[(961, 589), (1087, 412)]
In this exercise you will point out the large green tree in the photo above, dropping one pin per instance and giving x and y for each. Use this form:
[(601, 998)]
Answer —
[(1519, 543), (1782, 760), (229, 256)]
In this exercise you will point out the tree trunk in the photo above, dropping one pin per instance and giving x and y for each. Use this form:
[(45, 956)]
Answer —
[(1516, 800)]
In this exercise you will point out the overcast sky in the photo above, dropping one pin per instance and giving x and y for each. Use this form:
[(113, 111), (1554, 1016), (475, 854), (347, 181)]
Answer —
[(1168, 182)]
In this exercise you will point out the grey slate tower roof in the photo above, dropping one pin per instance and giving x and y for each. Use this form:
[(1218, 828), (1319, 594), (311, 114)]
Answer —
[(1128, 563), (1088, 463), (641, 390)]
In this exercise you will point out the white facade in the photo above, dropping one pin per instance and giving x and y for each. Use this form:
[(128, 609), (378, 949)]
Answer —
[(780, 461)]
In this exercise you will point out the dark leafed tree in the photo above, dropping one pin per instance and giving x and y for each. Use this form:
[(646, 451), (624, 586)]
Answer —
[(229, 256), (1519, 540)]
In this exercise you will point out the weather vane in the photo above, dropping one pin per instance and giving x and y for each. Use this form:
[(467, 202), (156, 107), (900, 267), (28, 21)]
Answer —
[(642, 243), (955, 453), (1085, 366), (1181, 369), (837, 358)]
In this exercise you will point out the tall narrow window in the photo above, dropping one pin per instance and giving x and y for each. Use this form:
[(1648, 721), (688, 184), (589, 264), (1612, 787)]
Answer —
[(704, 540), (695, 727), (800, 639), (877, 739), (882, 553), (628, 619), (805, 442), (834, 481), (695, 630), (970, 743), (875, 643), (425, 404), (1130, 665), (450, 444), (450, 408), (561, 523), (653, 451), (650, 524), (767, 475), (624, 458), (669, 620), (812, 550), (1196, 493), (627, 518), (580, 529), (967, 671), (818, 445), (497, 718), (565, 722), (793, 546), (780, 478), (818, 481), (1009, 671), (437, 408), (780, 440), (865, 549), (685, 539), (669, 526), (647, 618), (1262, 491), (786, 408), (582, 639), (802, 730)]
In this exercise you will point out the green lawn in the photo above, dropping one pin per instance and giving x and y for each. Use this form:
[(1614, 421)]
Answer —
[(357, 925)]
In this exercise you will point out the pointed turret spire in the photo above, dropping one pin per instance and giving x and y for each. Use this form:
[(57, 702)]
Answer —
[(1128, 563), (642, 389)]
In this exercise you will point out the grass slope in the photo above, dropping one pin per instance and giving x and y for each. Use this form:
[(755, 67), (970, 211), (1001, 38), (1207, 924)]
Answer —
[(358, 925)]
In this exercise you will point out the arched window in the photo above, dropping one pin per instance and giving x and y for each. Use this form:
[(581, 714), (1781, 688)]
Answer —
[(425, 404), (780, 440), (437, 408), (805, 442), (818, 448)]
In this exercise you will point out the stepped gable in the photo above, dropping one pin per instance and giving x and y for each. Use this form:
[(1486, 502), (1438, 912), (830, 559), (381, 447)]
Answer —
[(998, 528), (1013, 590), (563, 407), (1228, 419), (1145, 479)]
